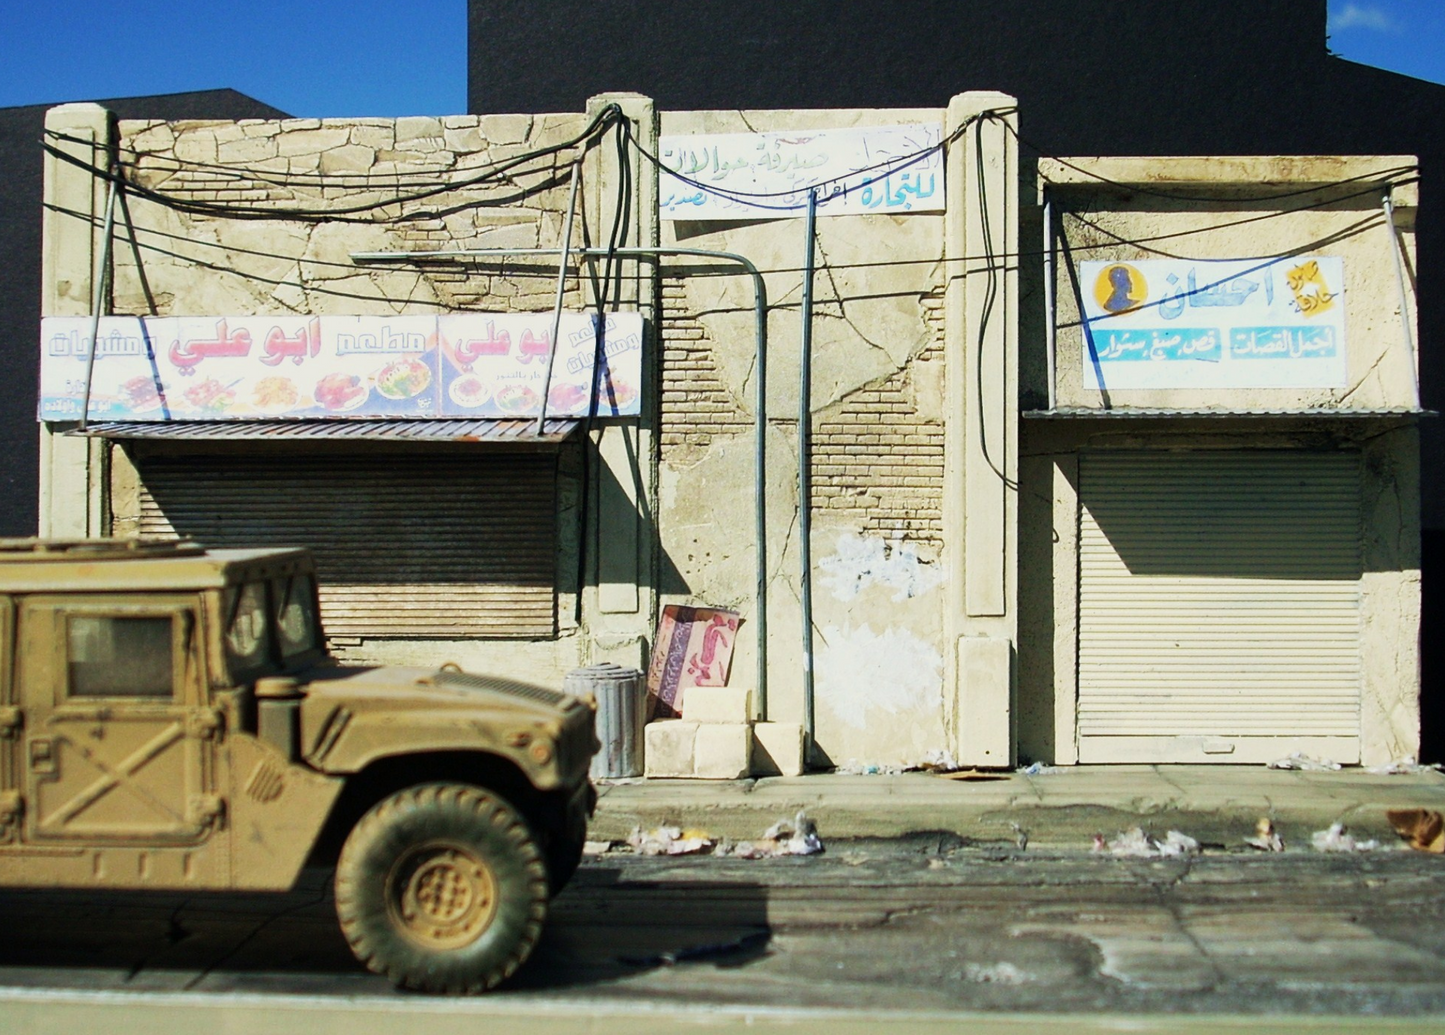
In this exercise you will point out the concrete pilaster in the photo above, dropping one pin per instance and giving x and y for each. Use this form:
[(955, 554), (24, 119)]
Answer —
[(981, 445), (624, 599), (72, 470)]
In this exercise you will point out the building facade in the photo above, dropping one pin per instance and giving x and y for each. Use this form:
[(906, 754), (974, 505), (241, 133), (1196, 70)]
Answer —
[(1027, 541)]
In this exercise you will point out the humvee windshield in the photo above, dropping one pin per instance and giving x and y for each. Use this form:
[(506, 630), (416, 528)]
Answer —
[(268, 624)]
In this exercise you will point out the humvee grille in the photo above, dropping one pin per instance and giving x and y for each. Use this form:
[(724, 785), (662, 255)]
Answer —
[(506, 686)]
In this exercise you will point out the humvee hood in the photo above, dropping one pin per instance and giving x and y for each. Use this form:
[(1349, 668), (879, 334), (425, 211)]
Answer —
[(410, 686), (353, 716)]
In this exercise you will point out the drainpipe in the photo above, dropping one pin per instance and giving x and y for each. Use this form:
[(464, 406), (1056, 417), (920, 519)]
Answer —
[(102, 276), (805, 488), (1404, 298), (760, 313)]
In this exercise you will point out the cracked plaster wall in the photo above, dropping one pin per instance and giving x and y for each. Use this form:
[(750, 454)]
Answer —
[(877, 457), (1380, 375), (236, 266)]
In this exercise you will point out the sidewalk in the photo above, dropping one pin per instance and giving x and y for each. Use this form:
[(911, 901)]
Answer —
[(1063, 808)]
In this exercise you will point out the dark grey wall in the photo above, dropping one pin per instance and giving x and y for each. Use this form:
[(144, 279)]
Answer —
[(21, 183)]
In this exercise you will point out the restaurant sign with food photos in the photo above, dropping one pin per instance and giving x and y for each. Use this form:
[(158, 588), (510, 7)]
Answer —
[(250, 367)]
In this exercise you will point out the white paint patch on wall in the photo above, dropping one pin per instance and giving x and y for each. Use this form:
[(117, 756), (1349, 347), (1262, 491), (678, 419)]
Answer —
[(862, 672), (862, 561)]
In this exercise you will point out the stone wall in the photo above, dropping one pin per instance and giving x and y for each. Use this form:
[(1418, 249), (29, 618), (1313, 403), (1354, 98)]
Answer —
[(339, 165)]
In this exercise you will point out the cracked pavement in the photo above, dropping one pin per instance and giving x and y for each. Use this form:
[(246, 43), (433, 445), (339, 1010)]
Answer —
[(914, 924)]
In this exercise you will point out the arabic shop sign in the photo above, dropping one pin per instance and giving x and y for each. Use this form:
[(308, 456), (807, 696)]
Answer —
[(237, 367), (1173, 323), (883, 169)]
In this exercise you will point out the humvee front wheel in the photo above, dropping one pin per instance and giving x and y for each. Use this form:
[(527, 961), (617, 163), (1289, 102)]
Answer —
[(442, 888)]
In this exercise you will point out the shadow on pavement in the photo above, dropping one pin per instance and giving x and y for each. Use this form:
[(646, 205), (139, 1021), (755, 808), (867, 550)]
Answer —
[(602, 928)]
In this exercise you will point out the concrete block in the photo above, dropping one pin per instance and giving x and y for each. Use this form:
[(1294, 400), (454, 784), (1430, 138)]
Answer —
[(669, 747), (722, 751), (717, 704), (777, 749)]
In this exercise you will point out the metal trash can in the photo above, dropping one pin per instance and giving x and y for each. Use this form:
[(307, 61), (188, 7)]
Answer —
[(621, 713)]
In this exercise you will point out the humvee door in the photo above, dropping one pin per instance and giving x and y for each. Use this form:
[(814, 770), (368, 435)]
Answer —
[(119, 743)]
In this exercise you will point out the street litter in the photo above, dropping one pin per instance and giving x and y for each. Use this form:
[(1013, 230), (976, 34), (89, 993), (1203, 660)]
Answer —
[(1134, 843), (996, 974), (670, 841), (853, 767), (969, 775), (800, 837), (596, 847), (1305, 763), (1039, 769), (1424, 829), (1336, 839), (1265, 838), (1401, 766)]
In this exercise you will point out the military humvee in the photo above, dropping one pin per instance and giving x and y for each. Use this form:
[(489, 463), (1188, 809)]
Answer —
[(170, 719)]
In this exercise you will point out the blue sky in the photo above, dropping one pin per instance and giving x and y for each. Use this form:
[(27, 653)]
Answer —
[(403, 57)]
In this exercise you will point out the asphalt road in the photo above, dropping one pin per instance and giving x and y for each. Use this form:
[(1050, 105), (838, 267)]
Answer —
[(917, 927)]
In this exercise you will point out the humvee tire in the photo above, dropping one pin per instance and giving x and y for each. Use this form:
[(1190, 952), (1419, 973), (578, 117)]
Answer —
[(564, 851), (442, 888)]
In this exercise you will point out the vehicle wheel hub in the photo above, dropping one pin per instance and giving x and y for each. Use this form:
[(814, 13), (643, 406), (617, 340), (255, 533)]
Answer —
[(445, 896)]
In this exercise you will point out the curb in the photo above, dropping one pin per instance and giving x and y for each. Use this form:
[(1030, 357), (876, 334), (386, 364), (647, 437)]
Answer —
[(1052, 816)]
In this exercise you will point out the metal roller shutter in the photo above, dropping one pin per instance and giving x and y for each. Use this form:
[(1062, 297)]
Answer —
[(1219, 606), (412, 545)]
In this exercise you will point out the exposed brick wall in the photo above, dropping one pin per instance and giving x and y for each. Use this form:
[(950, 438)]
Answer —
[(696, 408), (876, 459)]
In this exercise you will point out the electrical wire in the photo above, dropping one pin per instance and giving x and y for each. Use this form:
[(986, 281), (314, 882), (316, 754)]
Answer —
[(892, 165), (1381, 175), (599, 124)]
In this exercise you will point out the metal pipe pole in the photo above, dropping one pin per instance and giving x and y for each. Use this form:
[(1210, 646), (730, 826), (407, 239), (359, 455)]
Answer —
[(805, 487), (1050, 306), (102, 274), (760, 426), (561, 287), (1404, 298)]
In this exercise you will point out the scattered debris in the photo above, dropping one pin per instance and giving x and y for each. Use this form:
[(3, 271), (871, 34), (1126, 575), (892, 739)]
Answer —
[(596, 847), (939, 760), (1401, 766), (1305, 763), (1336, 839), (969, 775), (1424, 829), (1021, 836), (996, 974), (800, 837), (1265, 838), (670, 841), (1134, 843), (1175, 843), (1039, 769), (853, 767)]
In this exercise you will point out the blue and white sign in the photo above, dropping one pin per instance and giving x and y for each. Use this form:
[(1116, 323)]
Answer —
[(888, 170), (1247, 323)]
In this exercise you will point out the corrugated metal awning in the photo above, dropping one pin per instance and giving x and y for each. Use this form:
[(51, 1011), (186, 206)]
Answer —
[(1095, 412), (499, 431)]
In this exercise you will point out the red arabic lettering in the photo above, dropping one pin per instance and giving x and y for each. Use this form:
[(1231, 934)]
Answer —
[(187, 356), (494, 344)]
